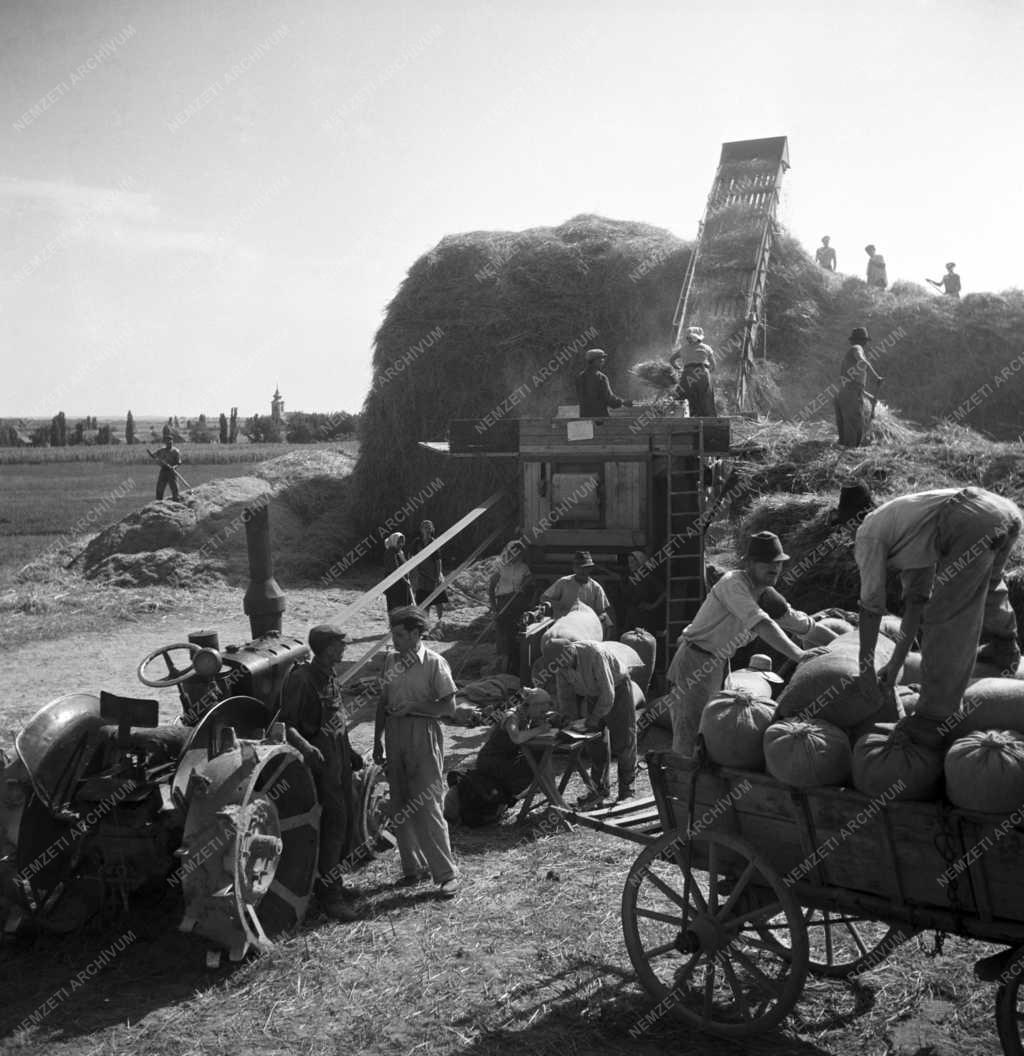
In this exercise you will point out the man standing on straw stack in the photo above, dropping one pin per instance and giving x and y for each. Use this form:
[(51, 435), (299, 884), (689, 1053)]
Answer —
[(850, 402), (695, 383)]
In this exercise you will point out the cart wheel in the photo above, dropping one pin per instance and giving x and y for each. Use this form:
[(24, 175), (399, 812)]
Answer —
[(841, 944), (1010, 1006), (697, 947)]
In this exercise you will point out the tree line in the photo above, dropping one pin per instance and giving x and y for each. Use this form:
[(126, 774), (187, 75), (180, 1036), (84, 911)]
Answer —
[(298, 427)]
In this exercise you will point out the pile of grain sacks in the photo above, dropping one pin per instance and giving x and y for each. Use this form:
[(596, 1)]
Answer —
[(825, 731)]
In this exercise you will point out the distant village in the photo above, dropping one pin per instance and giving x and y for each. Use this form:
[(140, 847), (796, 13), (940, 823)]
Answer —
[(295, 427)]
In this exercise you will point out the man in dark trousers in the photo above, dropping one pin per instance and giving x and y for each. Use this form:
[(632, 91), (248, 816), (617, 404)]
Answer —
[(169, 457), (593, 389), (316, 728)]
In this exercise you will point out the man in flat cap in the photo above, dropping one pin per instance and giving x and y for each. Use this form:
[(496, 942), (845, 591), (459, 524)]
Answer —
[(697, 362), (593, 389), (418, 692), (949, 283), (825, 255), (733, 614), (853, 412), (565, 592), (315, 726)]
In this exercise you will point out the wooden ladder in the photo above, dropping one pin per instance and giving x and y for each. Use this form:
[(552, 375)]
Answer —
[(684, 580)]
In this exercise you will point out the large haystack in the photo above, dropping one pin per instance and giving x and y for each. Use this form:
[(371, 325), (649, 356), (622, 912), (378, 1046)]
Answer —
[(490, 317)]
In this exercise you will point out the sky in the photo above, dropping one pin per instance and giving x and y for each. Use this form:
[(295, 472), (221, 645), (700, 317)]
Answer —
[(202, 201)]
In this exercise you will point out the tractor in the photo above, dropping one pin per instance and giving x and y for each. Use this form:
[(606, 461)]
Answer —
[(101, 802)]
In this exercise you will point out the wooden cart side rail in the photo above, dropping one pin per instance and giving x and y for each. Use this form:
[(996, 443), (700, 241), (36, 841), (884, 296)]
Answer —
[(920, 856)]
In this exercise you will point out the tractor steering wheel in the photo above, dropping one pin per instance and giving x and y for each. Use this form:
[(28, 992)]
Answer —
[(174, 675)]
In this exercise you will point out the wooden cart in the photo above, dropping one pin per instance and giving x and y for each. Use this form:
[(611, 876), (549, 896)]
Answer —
[(753, 884)]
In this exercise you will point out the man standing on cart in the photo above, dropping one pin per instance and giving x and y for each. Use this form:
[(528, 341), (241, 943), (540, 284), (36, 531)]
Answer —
[(949, 546), (732, 615)]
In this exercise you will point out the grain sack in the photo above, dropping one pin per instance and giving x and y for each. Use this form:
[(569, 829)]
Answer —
[(836, 624), (891, 711), (733, 726), (886, 762), (991, 704), (579, 624), (807, 754), (819, 634), (644, 644), (911, 675), (825, 687), (985, 771)]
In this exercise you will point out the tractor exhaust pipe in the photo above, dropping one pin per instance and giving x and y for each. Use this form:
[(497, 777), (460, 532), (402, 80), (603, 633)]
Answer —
[(264, 599)]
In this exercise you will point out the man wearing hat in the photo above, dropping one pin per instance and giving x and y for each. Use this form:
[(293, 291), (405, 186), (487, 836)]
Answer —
[(698, 361), (593, 389), (756, 679), (731, 616), (316, 727), (418, 692), (876, 273), (825, 255), (949, 546), (565, 592), (949, 283), (851, 406)]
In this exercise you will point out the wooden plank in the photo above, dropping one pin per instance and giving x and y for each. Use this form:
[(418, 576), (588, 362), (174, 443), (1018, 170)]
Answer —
[(586, 538), (535, 506)]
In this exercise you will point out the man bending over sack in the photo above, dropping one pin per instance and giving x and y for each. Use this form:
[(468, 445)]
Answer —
[(594, 690), (500, 773), (732, 616), (949, 546)]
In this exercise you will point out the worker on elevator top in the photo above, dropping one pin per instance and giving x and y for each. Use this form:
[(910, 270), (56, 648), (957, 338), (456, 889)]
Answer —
[(593, 390)]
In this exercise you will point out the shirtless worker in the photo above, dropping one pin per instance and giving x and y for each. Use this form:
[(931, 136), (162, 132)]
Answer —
[(949, 546), (169, 457), (825, 255), (949, 283)]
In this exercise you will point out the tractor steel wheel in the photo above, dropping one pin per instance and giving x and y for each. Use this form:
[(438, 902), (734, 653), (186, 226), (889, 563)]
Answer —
[(249, 851), (695, 939), (373, 833)]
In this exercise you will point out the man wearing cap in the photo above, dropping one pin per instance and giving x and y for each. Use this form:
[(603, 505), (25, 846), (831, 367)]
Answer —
[(825, 255), (876, 273), (593, 687), (850, 402), (949, 547), (949, 283), (698, 361), (316, 727), (565, 592), (418, 692), (500, 762), (731, 616), (593, 389)]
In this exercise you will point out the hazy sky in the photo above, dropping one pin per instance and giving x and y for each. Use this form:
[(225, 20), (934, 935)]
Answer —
[(202, 200)]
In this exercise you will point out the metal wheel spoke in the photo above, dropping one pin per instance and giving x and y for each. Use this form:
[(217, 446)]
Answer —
[(286, 894), (299, 821), (278, 772)]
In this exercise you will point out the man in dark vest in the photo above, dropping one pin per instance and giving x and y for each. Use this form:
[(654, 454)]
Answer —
[(593, 389), (316, 727)]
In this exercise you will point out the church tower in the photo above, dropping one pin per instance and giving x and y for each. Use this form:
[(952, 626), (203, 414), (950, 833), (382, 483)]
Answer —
[(277, 405)]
